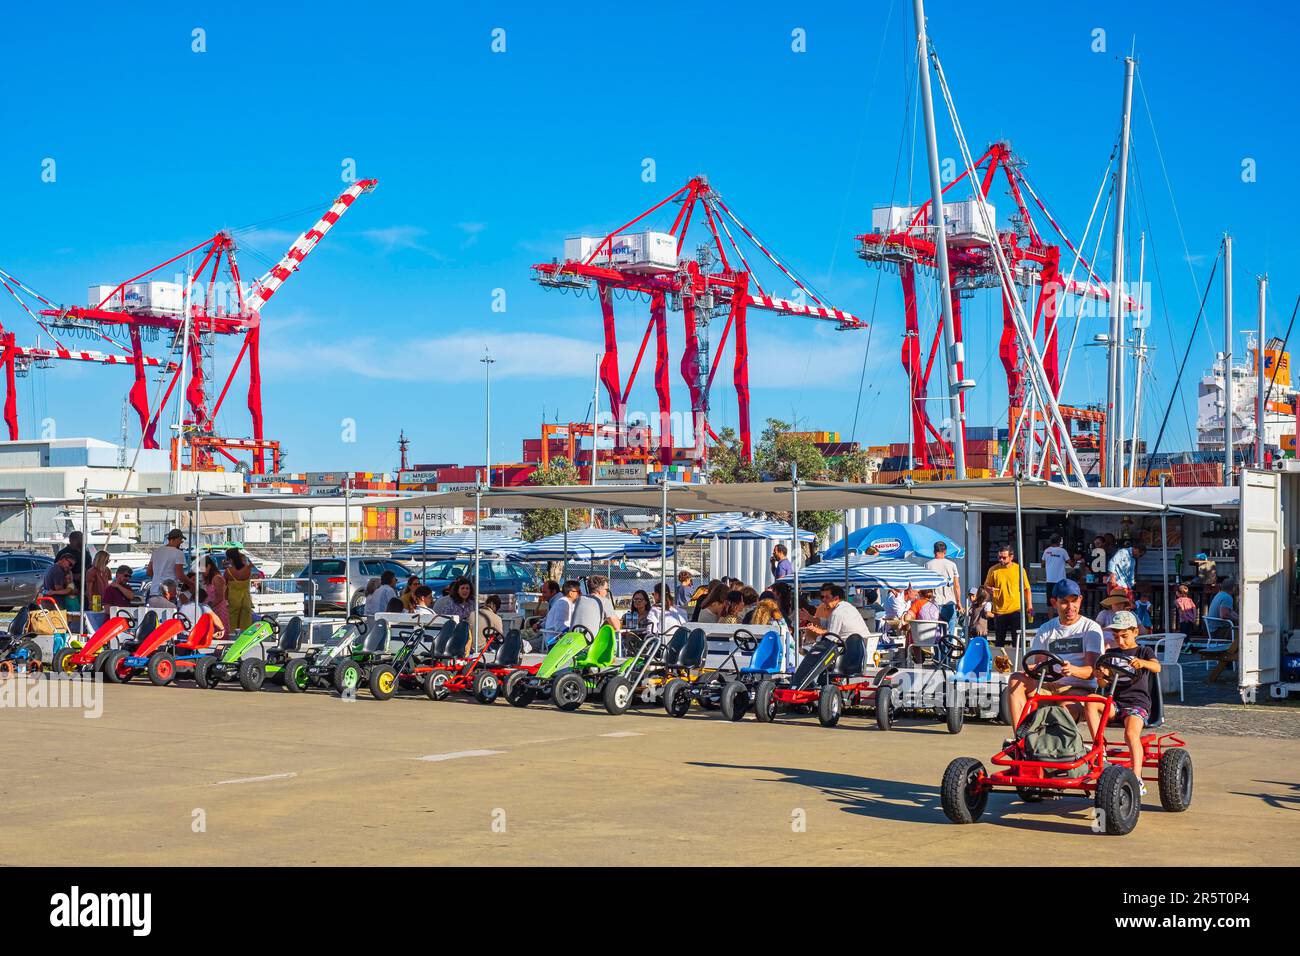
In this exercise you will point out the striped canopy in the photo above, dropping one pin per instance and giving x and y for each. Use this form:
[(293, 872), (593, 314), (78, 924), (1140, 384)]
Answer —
[(462, 542), (588, 544), (735, 527), (869, 572)]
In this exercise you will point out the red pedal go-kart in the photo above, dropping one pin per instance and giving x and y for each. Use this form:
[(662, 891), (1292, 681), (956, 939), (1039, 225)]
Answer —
[(91, 656), (166, 653), (1105, 771)]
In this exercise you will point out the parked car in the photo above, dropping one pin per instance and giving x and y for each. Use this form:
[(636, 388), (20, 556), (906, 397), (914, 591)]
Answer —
[(335, 589), (21, 574), (509, 580)]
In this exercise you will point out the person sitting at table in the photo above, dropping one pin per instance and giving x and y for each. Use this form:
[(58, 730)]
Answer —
[(118, 592), (637, 617), (166, 596), (923, 608)]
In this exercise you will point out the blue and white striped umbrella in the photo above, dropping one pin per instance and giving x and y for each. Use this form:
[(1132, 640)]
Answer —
[(734, 527), (462, 542), (588, 544), (870, 571)]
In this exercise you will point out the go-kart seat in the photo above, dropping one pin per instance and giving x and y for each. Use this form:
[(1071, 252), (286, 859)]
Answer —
[(291, 636), (148, 622), (676, 644), (18, 626), (438, 644), (376, 641), (976, 665), (852, 658), (693, 652), (510, 649), (766, 658), (458, 642), (813, 663), (199, 637), (600, 653)]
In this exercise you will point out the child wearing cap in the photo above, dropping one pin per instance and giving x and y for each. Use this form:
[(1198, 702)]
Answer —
[(1132, 696)]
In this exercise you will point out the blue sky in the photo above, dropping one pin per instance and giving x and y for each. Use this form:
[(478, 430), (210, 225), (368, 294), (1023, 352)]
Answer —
[(487, 161)]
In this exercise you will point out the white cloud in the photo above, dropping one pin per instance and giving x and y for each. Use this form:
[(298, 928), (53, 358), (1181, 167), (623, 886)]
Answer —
[(397, 238)]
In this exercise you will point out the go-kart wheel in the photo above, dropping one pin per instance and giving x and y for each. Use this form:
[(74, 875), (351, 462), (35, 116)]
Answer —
[(202, 669), (115, 669), (677, 700), (161, 669), (347, 675), (735, 700), (1118, 799), (765, 702), (486, 687), (383, 682), (518, 693), (252, 674), (617, 695), (885, 706), (29, 650), (962, 796), (60, 663), (435, 685), (295, 675), (829, 706), (1175, 780), (710, 695), (1030, 794), (569, 691), (955, 715)]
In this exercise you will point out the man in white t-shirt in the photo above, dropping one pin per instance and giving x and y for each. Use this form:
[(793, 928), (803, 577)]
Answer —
[(167, 562), (1075, 639), (843, 620), (944, 566), (1055, 560), (594, 609)]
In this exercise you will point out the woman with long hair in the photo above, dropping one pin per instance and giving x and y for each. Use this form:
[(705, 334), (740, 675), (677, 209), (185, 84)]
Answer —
[(239, 601), (637, 617), (214, 585), (665, 615), (458, 601), (709, 608), (97, 579)]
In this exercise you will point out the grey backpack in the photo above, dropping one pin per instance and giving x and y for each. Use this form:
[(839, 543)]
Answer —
[(1052, 734)]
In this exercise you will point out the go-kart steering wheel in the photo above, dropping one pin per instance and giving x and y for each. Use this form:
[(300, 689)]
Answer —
[(1044, 665), (180, 615), (745, 641), (952, 644), (1119, 664), (275, 625)]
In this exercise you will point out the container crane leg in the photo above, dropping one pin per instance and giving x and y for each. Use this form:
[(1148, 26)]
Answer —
[(740, 374), (663, 389), (691, 373), (911, 357), (609, 366), (253, 339), (11, 389), (139, 394)]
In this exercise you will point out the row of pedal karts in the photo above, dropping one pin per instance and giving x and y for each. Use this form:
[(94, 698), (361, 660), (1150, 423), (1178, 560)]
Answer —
[(580, 668)]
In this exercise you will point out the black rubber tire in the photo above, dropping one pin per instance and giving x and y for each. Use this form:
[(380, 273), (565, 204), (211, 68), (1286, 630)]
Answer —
[(617, 695), (435, 684), (382, 680), (486, 687), (295, 675), (161, 669), (33, 650), (202, 668), (677, 700), (885, 707), (60, 663), (1175, 780), (1117, 798), (829, 706), (518, 694), (109, 667), (569, 691), (960, 805), (765, 702), (346, 677), (735, 700), (955, 717), (252, 674), (1030, 794)]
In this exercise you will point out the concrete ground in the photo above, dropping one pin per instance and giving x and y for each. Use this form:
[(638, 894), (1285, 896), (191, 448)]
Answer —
[(181, 776)]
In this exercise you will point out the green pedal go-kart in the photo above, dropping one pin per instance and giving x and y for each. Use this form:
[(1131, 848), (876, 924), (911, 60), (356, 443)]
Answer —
[(331, 665), (250, 660), (580, 667)]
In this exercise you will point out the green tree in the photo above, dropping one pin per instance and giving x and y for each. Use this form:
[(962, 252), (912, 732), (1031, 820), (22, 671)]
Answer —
[(775, 455), (542, 522)]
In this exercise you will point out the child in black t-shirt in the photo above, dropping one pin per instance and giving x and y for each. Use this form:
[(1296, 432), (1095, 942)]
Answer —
[(1133, 697)]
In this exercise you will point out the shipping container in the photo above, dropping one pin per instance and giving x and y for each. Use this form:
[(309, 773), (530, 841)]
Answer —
[(635, 252)]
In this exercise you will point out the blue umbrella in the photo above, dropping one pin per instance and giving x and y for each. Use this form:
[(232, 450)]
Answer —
[(895, 540), (462, 542), (588, 544), (870, 571)]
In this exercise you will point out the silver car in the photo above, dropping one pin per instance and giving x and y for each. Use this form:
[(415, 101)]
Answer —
[(21, 575), (334, 588)]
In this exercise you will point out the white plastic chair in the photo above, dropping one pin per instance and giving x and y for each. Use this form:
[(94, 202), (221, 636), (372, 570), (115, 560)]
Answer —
[(1168, 647)]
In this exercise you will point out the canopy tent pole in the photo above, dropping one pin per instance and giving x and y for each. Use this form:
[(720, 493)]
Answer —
[(845, 519), (478, 507), (676, 544), (564, 568), (794, 524), (347, 522), (965, 547), (1022, 577), (195, 568), (424, 542), (81, 558), (1164, 556), (311, 553), (663, 558)]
